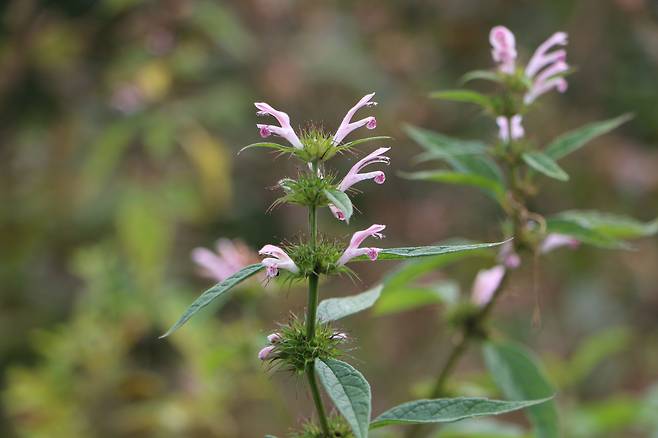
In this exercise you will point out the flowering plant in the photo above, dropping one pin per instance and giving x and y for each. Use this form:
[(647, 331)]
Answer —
[(311, 347), (506, 169)]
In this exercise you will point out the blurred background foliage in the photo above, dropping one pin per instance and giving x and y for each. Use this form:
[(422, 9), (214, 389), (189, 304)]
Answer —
[(120, 122)]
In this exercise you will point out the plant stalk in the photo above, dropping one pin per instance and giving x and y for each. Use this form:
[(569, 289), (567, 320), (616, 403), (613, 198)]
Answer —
[(311, 315)]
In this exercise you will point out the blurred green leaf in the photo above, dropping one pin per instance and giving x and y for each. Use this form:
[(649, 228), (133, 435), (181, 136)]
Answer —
[(332, 309), (449, 409), (594, 350), (466, 96), (217, 290), (349, 391), (410, 297), (611, 225), (426, 251), (485, 75), (582, 234), (458, 178), (340, 201), (544, 164), (441, 146), (603, 418), (519, 376), (574, 140), (482, 428)]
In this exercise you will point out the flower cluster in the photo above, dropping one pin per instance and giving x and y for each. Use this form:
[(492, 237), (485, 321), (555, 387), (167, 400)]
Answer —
[(544, 72), (310, 189)]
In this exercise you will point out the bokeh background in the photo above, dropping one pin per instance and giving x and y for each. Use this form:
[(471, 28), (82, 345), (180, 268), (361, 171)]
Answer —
[(120, 122)]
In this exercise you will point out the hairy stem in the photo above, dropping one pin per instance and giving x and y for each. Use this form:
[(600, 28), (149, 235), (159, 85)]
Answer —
[(311, 315)]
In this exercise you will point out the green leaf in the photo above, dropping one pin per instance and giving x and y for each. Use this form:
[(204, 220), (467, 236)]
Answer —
[(445, 410), (582, 234), (574, 140), (426, 251), (276, 146), (349, 391), (409, 297), (441, 146), (466, 96), (340, 201), (208, 296), (610, 225), (332, 309), (485, 75), (481, 428), (411, 270), (465, 179), (518, 375), (544, 164)]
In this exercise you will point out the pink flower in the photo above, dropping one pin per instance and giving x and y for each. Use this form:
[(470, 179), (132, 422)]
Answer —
[(347, 126), (554, 241), (264, 353), (353, 249), (273, 338), (545, 67), (353, 176), (278, 260), (503, 49), (485, 284), (505, 129), (284, 130), (231, 256)]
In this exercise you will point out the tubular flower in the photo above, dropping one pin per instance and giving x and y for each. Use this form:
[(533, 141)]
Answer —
[(485, 284), (231, 256), (543, 69), (265, 352), (278, 260), (353, 176), (353, 249), (555, 241), (503, 49), (507, 130), (273, 338), (284, 130), (347, 126), (508, 257)]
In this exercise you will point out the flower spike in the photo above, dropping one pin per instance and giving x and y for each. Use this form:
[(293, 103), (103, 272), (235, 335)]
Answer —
[(347, 126), (353, 249), (503, 49), (284, 130), (278, 260), (353, 176)]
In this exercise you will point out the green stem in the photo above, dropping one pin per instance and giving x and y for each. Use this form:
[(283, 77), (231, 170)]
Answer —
[(311, 315)]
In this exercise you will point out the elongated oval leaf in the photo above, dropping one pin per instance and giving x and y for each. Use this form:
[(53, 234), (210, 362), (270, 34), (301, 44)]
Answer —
[(459, 178), (583, 234), (441, 146), (518, 375), (544, 164), (336, 308), (467, 96), (349, 391), (574, 140), (426, 251), (214, 292), (340, 201), (445, 410), (611, 225)]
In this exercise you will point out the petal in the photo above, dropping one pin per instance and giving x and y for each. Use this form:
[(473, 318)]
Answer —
[(503, 48), (346, 126), (338, 214), (211, 264), (540, 58), (374, 157), (558, 83), (555, 241), (485, 284)]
